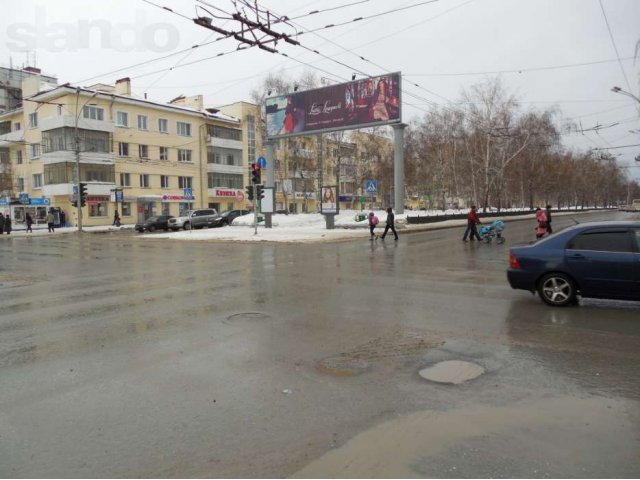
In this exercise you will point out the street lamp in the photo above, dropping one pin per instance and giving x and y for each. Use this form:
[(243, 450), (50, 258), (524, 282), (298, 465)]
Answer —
[(625, 93), (77, 154)]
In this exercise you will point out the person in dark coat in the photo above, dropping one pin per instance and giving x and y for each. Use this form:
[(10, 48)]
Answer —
[(548, 210), (29, 222), (1, 223), (7, 224), (472, 221), (390, 224)]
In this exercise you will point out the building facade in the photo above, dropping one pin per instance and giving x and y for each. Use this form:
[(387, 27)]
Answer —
[(141, 157)]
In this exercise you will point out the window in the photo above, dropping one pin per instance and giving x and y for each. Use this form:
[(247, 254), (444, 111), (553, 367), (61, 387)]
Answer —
[(126, 209), (37, 180), (223, 132), (34, 150), (18, 157), (123, 149), (637, 234), (185, 182), (122, 119), (164, 181), (224, 180), (93, 113), (143, 151), (142, 122), (33, 120), (163, 125), (60, 139), (125, 179), (164, 153), (20, 184), (184, 155), (98, 209), (602, 241), (183, 129), (144, 180), (17, 127)]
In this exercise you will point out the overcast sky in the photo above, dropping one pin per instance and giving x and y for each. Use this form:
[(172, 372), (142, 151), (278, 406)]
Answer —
[(444, 46)]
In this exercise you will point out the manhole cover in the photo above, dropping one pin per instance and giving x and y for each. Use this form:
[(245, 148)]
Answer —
[(343, 366), (246, 316), (452, 371)]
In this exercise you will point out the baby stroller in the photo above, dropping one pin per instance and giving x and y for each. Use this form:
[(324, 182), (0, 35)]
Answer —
[(489, 232)]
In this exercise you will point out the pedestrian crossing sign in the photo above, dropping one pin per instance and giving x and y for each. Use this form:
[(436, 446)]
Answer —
[(370, 186)]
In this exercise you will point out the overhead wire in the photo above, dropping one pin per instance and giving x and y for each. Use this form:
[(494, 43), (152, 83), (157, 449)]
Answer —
[(615, 47)]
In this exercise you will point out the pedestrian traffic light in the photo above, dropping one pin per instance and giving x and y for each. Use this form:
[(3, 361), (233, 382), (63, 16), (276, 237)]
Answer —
[(259, 192), (250, 192), (255, 173), (83, 194), (74, 202)]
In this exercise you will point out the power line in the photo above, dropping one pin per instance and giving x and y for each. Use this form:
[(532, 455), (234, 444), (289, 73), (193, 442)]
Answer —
[(624, 74), (518, 70)]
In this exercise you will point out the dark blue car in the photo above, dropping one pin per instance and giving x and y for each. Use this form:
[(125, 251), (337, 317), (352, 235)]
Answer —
[(598, 260)]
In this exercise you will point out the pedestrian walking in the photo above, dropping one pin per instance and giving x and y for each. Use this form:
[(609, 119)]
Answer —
[(7, 224), (29, 221), (472, 221), (548, 212), (116, 219), (63, 219), (1, 223), (373, 221), (50, 220), (541, 223), (390, 224)]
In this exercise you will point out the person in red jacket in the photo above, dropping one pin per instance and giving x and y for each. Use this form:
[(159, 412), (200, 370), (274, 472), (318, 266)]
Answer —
[(472, 221)]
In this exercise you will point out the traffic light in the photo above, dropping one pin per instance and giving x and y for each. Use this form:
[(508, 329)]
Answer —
[(74, 202), (83, 194), (250, 192), (255, 173), (259, 192)]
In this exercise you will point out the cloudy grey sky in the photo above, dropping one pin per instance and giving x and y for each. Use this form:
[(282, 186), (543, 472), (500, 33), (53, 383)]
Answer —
[(552, 53)]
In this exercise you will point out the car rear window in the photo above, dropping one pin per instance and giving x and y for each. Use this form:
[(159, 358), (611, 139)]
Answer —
[(602, 241)]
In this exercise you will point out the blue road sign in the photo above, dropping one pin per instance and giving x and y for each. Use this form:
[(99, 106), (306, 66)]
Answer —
[(187, 192), (262, 162), (40, 201), (119, 196), (24, 198), (370, 186)]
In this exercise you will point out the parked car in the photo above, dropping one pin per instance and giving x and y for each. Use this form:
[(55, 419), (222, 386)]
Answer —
[(226, 218), (598, 260), (198, 218), (154, 223)]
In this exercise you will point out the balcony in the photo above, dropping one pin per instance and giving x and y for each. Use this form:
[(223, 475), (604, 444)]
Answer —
[(62, 156), (224, 143), (221, 168), (69, 121), (10, 138)]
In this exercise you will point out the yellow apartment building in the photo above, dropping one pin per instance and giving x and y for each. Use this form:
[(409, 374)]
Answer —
[(142, 157)]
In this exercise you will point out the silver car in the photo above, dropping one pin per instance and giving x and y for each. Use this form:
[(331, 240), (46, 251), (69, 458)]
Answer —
[(193, 219)]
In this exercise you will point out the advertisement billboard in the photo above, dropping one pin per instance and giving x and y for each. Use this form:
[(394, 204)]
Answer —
[(361, 103), (328, 203)]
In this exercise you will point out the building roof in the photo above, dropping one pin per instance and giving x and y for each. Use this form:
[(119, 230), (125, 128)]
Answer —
[(63, 90)]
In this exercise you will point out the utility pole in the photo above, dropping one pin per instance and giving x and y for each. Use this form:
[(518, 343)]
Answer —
[(77, 169)]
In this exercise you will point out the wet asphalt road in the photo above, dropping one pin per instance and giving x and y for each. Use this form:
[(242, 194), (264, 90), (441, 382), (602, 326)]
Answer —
[(122, 357)]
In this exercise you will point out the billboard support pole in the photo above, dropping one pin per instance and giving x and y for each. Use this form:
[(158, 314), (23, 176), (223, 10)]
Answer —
[(398, 167), (270, 175)]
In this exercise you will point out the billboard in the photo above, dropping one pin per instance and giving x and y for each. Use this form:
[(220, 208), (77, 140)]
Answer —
[(328, 202), (361, 103)]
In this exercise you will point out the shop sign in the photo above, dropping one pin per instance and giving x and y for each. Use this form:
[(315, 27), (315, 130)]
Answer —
[(176, 198), (40, 201), (95, 199), (224, 193)]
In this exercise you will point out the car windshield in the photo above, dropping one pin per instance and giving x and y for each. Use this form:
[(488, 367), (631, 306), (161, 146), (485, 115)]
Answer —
[(152, 219)]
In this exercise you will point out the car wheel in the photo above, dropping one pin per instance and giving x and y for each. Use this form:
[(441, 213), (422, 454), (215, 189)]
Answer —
[(186, 225), (557, 289), (152, 228)]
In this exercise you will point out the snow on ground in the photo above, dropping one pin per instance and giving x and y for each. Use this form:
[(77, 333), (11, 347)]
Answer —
[(295, 228)]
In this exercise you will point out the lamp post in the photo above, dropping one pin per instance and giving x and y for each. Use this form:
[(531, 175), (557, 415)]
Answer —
[(77, 154), (625, 93)]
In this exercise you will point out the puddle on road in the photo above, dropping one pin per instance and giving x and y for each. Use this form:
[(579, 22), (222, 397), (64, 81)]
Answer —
[(573, 437), (452, 371)]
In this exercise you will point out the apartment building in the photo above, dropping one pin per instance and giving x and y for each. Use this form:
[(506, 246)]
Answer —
[(153, 158)]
